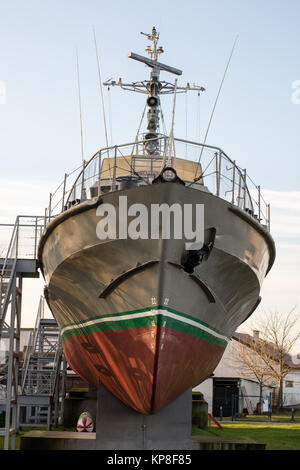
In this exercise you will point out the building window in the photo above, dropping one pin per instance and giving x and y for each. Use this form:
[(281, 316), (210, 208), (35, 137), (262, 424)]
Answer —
[(289, 383)]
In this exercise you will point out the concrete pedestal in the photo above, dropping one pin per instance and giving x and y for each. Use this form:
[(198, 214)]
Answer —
[(121, 428), (118, 427)]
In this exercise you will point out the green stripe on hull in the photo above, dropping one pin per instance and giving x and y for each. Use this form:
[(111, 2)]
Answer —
[(148, 317), (146, 309)]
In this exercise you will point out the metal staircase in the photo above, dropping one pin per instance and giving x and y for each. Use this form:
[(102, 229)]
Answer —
[(43, 374), (20, 262)]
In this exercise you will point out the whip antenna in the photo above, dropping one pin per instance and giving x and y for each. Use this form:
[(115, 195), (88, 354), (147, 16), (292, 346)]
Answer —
[(101, 89), (102, 100), (215, 104), (171, 136), (80, 110)]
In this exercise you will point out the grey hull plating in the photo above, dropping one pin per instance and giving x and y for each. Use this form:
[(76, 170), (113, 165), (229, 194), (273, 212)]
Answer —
[(87, 277)]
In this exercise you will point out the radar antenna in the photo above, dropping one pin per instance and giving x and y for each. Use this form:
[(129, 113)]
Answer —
[(153, 87)]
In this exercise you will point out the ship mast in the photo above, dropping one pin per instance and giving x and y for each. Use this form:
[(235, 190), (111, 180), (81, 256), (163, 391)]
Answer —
[(153, 88)]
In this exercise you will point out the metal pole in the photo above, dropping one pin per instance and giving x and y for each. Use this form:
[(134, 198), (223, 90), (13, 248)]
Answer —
[(45, 218), (17, 237), (221, 413), (99, 176), (245, 185), (63, 194), (293, 415), (220, 163), (56, 391), (233, 181), (0, 292), (63, 389), (35, 238), (217, 178), (270, 407), (259, 203), (49, 210), (239, 189), (82, 181), (10, 392), (18, 334), (115, 171), (171, 135)]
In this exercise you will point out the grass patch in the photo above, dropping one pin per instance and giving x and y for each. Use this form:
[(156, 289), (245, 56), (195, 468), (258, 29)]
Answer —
[(275, 436)]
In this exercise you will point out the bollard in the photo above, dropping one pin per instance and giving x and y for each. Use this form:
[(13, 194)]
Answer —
[(221, 413)]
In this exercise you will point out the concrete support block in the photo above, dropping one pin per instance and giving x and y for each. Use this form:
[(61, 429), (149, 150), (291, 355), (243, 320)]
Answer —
[(121, 428)]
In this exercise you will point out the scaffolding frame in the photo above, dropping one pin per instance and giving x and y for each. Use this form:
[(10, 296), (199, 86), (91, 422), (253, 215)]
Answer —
[(43, 374), (20, 262)]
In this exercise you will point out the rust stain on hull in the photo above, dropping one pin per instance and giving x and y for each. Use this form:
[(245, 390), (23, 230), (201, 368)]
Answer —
[(141, 372)]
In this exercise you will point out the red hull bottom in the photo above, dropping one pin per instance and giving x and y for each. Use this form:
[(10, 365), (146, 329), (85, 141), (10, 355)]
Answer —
[(146, 368)]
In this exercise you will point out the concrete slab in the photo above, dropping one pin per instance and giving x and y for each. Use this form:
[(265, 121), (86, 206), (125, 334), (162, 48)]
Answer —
[(58, 440)]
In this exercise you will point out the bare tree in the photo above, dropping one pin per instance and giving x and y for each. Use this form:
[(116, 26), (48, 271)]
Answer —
[(248, 359), (266, 356), (278, 335)]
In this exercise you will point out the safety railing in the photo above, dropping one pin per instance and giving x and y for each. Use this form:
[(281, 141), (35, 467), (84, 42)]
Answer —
[(195, 163), (43, 357), (32, 340), (20, 240)]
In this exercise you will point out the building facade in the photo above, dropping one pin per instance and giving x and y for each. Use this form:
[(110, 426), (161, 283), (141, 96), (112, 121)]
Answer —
[(234, 388)]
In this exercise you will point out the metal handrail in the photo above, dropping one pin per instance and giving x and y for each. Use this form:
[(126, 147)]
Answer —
[(107, 149), (13, 252), (239, 178), (32, 341), (10, 246)]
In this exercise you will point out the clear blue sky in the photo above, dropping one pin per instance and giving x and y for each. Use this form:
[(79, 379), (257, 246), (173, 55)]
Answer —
[(255, 121)]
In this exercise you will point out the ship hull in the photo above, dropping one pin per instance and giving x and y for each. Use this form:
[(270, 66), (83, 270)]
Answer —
[(146, 359), (130, 316)]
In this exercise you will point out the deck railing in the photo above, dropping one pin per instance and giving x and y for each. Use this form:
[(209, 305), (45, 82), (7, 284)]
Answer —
[(213, 169)]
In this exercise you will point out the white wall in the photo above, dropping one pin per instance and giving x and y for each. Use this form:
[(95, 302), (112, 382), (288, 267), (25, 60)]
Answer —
[(230, 367), (291, 395), (206, 388), (252, 391)]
